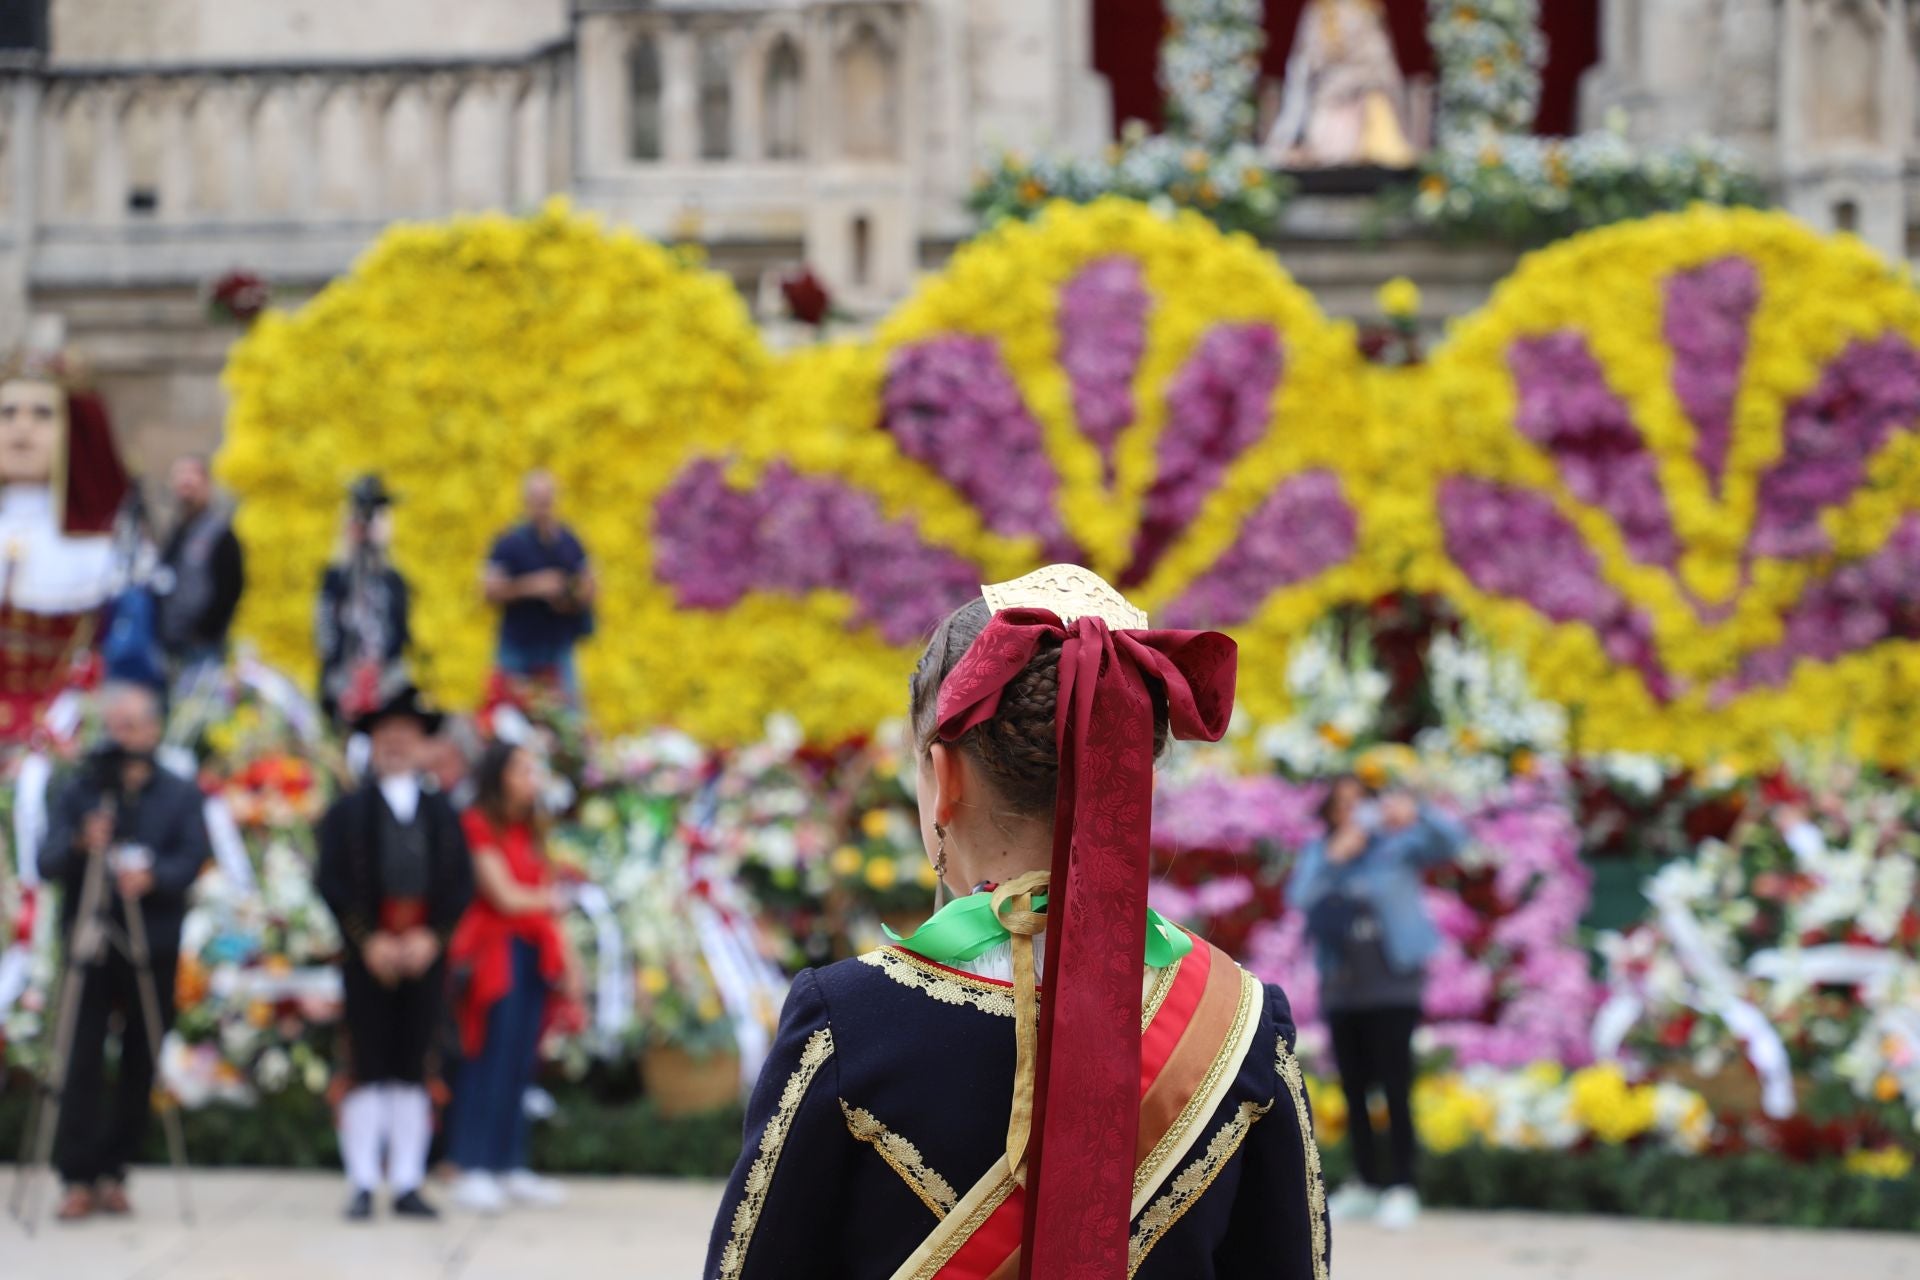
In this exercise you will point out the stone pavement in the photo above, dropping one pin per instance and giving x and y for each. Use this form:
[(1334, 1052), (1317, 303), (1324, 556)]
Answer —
[(285, 1226)]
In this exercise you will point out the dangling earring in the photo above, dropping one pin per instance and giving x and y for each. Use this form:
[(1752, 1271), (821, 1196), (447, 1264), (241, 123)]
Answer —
[(940, 867)]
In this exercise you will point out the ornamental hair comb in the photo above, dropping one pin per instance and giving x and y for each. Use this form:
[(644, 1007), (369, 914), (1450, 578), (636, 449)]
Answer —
[(1069, 591)]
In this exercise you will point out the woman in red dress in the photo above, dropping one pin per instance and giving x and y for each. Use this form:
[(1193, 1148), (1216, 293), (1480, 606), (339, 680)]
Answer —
[(514, 959)]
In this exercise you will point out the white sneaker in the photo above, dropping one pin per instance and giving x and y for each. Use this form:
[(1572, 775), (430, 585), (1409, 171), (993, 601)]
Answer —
[(479, 1192), (1399, 1209), (528, 1187), (1355, 1202)]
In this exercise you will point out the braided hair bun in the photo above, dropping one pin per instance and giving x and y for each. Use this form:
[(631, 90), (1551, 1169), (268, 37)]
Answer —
[(1016, 749)]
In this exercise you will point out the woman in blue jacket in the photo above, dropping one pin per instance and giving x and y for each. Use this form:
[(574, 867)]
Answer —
[(1359, 886)]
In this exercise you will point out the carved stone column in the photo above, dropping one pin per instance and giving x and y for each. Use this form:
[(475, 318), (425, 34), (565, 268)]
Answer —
[(680, 95), (750, 54), (373, 102), (601, 87), (175, 109), (22, 167), (243, 177), (441, 93), (108, 106), (303, 166)]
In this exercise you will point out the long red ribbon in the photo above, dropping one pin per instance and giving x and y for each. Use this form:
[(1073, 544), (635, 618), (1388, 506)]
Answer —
[(1086, 1098)]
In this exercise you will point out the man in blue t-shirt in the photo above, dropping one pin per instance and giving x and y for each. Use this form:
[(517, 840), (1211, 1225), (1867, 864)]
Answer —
[(538, 572)]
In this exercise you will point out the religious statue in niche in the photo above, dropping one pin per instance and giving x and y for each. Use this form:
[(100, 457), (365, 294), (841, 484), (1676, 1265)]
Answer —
[(61, 486), (1344, 100)]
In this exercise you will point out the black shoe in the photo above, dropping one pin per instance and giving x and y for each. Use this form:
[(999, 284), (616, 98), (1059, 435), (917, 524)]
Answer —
[(414, 1205), (360, 1208)]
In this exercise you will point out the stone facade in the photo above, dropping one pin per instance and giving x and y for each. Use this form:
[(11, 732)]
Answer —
[(1821, 94), (159, 143)]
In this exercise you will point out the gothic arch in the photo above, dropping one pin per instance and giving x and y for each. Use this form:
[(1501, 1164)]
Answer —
[(783, 101), (646, 124), (867, 76)]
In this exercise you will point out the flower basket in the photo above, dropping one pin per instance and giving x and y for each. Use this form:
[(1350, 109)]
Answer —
[(1734, 1090), (682, 1083)]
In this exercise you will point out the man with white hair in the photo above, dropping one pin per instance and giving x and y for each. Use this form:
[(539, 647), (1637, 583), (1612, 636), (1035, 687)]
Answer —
[(122, 806)]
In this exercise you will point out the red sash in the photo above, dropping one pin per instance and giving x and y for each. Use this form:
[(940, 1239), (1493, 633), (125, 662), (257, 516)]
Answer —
[(1203, 1018)]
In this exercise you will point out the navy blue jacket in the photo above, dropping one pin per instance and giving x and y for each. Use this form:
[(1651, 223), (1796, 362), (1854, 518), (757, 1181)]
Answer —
[(886, 1098)]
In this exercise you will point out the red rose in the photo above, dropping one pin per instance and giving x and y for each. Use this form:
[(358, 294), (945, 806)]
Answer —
[(807, 298)]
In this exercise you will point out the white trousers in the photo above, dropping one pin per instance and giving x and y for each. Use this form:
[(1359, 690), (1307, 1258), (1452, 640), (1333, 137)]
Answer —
[(391, 1119)]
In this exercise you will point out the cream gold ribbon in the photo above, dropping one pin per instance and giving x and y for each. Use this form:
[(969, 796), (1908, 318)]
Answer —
[(1013, 907)]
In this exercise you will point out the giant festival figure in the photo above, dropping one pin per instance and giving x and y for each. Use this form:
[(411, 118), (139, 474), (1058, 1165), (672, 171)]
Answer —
[(61, 485)]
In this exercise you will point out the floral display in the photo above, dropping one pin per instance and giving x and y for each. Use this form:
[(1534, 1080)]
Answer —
[(1678, 492), (1210, 67), (1525, 189), (1491, 176), (1807, 915), (1233, 185), (1724, 516), (988, 434), (1206, 160), (1539, 1107), (1489, 54), (488, 345)]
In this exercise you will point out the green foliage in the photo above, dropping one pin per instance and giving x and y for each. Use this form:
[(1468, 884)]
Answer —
[(1755, 1188), (597, 1130)]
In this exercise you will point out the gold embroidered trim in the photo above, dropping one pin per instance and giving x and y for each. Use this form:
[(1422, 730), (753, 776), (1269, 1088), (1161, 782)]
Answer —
[(934, 1191), (960, 989), (1192, 1183), (910, 970), (1157, 996), (943, 1254), (1202, 1100), (753, 1196), (1289, 1068)]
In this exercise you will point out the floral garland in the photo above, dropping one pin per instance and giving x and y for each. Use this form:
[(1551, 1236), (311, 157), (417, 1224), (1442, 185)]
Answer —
[(1210, 66), (1492, 176), (1206, 160), (1489, 54)]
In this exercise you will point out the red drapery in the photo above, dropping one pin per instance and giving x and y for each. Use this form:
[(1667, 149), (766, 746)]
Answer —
[(1127, 34)]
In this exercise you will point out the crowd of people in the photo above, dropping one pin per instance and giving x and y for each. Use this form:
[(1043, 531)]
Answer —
[(452, 962)]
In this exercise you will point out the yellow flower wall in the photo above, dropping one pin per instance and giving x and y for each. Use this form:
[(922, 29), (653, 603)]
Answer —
[(455, 357)]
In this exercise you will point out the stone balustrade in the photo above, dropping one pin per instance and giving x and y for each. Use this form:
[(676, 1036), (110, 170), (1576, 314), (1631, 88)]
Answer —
[(134, 175)]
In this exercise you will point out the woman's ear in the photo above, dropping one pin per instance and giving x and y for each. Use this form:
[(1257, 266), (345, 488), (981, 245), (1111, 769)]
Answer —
[(949, 781)]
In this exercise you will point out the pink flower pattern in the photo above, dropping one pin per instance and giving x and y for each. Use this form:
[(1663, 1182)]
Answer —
[(1219, 404), (1514, 543), (952, 405), (714, 543), (1868, 393), (1305, 527), (1708, 312), (1567, 409), (1103, 333)]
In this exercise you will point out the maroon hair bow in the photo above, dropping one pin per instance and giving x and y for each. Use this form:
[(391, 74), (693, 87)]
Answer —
[(1086, 1097)]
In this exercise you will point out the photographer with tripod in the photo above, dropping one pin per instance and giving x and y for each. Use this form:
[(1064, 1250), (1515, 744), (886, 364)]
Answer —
[(125, 839)]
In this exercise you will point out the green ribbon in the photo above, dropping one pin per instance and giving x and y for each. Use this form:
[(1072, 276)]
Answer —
[(967, 928)]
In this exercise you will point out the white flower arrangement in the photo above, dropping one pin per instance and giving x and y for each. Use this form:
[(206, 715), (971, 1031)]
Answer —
[(1210, 67)]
